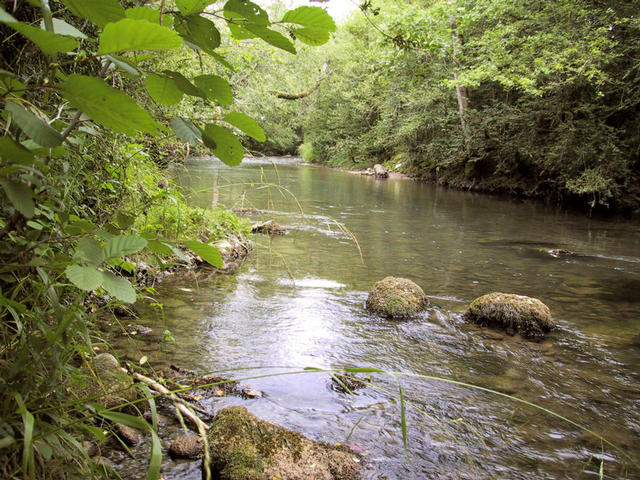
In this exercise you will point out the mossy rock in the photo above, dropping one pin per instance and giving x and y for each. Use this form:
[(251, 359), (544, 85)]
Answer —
[(394, 297), (243, 447), (107, 384), (514, 313)]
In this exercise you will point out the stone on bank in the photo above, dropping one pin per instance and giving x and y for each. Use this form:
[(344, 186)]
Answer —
[(243, 447), (513, 313)]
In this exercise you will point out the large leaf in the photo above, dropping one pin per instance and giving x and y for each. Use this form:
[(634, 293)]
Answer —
[(99, 12), (63, 28), (312, 36), (123, 65), (209, 254), (107, 106), (20, 196), (129, 35), (163, 89), (5, 17), (199, 31), (123, 245), (246, 124), (189, 7), (186, 131), (9, 84), (216, 88), (240, 33), (185, 85), (247, 10), (85, 278), (144, 13), (119, 287), (226, 145), (313, 17), (89, 251), (13, 152), (50, 43), (271, 37), (38, 130)]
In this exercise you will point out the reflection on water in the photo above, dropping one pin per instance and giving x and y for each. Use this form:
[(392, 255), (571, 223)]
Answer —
[(299, 302)]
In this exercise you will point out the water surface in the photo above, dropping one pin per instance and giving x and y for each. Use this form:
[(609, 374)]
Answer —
[(299, 302)]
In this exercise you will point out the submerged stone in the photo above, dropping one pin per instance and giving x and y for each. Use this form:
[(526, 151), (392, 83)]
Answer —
[(269, 227), (394, 297), (186, 446), (514, 313), (243, 447)]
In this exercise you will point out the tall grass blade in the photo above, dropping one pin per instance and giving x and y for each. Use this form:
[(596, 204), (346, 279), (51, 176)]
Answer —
[(155, 462)]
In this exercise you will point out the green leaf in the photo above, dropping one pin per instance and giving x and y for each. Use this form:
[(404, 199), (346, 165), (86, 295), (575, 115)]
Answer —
[(199, 31), (125, 419), (215, 88), (240, 33), (13, 152), (107, 106), (227, 146), (185, 85), (143, 13), (119, 287), (131, 35), (40, 131), (123, 245), (9, 84), (313, 17), (363, 370), (49, 43), (85, 278), (20, 196), (99, 12), (186, 131), (272, 37), (6, 442), (163, 89), (123, 65), (5, 17), (63, 28), (155, 462), (248, 10), (89, 251), (159, 248), (208, 253), (246, 124), (312, 36), (189, 7)]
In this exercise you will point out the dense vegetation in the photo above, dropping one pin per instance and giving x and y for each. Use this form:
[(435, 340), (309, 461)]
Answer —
[(534, 98), (88, 91)]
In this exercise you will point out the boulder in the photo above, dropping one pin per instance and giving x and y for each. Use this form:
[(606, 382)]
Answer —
[(186, 446), (110, 386), (234, 251), (513, 313), (128, 435), (380, 171), (243, 447), (394, 297), (270, 227)]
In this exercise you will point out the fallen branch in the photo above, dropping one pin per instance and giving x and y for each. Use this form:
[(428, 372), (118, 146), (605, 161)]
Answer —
[(185, 408), (308, 91)]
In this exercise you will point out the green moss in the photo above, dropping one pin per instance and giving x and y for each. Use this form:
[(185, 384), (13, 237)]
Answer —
[(517, 313), (396, 298)]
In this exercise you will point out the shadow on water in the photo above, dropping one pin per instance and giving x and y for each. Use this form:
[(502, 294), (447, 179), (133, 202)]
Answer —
[(457, 246)]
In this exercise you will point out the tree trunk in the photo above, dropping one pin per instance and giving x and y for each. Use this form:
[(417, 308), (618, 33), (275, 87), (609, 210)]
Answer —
[(461, 92)]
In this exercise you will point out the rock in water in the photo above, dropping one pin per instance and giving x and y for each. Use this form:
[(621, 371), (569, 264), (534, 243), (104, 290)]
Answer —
[(244, 447), (186, 446), (127, 434), (270, 227), (380, 171), (394, 297), (514, 313)]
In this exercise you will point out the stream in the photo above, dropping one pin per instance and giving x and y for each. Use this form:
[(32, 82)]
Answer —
[(298, 301)]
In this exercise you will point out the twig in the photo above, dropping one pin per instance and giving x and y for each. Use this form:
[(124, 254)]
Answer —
[(180, 404)]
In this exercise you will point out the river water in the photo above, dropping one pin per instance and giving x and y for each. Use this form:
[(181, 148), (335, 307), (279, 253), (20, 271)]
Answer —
[(299, 302)]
